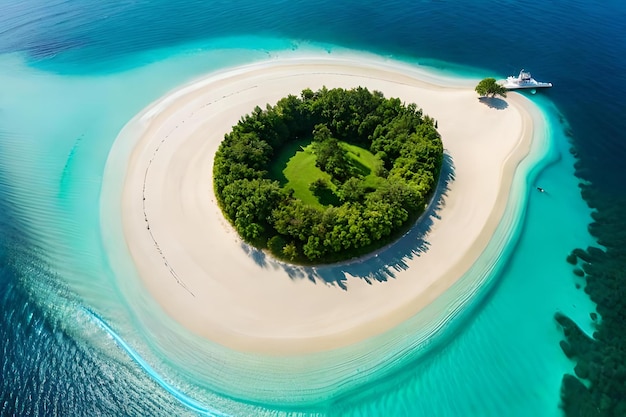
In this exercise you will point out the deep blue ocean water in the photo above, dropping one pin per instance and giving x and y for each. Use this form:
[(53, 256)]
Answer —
[(73, 73)]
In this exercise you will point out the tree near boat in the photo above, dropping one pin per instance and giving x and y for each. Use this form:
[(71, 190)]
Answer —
[(490, 87)]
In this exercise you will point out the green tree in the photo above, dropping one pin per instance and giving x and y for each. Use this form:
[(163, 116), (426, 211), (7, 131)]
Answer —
[(276, 244), (351, 190), (332, 158), (249, 204), (365, 209), (291, 251), (318, 185), (321, 133), (490, 87)]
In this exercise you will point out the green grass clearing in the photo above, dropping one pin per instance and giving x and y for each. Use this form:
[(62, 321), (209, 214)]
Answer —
[(365, 163), (301, 172), (295, 169), (280, 161)]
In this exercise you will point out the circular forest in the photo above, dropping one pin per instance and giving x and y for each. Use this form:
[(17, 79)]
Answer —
[(329, 175)]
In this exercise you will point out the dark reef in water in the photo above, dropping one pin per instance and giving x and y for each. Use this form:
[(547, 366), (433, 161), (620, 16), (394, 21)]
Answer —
[(599, 385)]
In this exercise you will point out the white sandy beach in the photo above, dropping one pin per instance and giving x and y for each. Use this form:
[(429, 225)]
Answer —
[(193, 263)]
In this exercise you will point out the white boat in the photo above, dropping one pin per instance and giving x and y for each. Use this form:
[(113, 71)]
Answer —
[(523, 80)]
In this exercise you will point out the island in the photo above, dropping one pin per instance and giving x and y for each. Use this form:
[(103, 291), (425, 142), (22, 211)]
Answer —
[(196, 269)]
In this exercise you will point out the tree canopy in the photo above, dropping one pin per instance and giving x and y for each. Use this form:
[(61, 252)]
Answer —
[(370, 162), (490, 87)]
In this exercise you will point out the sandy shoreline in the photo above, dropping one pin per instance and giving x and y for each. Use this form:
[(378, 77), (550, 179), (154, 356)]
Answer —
[(192, 262)]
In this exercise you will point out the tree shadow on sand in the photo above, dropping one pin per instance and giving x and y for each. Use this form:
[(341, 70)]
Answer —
[(380, 265), (494, 102)]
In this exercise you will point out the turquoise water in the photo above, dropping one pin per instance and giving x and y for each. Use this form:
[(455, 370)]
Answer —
[(65, 98)]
